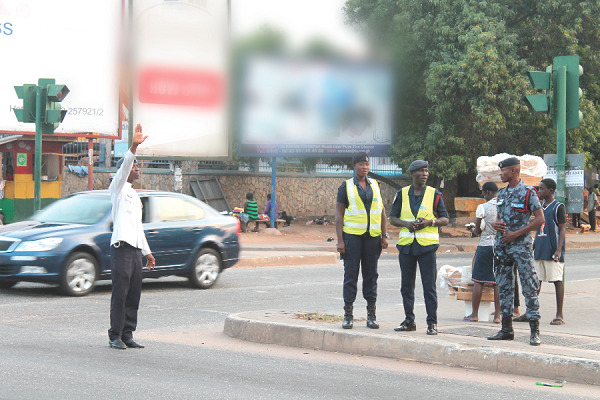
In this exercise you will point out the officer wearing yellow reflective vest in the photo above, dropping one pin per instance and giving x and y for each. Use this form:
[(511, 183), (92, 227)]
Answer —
[(361, 228), (419, 210)]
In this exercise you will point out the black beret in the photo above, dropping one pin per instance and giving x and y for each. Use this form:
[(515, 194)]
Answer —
[(509, 162), (418, 164), (361, 156)]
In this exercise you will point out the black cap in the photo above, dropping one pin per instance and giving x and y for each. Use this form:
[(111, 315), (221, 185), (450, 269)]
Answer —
[(509, 162), (418, 164), (361, 156)]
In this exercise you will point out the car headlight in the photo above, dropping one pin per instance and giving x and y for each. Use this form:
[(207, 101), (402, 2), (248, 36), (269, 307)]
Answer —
[(39, 245)]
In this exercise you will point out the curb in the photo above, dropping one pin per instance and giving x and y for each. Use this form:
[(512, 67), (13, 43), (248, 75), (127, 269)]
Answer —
[(277, 261), (433, 351)]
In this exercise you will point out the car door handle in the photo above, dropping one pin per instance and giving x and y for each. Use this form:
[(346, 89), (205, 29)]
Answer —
[(197, 229), (152, 232)]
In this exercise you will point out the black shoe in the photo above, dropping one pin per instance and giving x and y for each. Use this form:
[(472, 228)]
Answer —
[(432, 329), (348, 317), (506, 333), (117, 344), (133, 344), (534, 339), (406, 326), (371, 319)]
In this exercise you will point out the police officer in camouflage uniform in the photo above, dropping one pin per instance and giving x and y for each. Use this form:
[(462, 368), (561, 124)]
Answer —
[(513, 246)]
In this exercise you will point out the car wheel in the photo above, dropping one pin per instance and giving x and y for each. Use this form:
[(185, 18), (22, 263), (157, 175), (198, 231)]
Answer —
[(7, 284), (206, 268), (79, 274)]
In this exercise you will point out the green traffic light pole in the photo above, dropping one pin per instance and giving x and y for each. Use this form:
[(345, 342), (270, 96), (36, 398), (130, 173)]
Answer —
[(561, 132), (37, 169)]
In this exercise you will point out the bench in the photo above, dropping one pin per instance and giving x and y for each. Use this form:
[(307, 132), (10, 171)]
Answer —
[(267, 223)]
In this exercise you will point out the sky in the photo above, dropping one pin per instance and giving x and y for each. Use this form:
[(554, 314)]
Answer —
[(300, 20)]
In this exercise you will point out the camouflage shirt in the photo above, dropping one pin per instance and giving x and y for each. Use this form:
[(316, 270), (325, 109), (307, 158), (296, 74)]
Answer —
[(515, 208)]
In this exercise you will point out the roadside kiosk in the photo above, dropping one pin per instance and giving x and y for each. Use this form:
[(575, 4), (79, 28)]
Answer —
[(17, 184)]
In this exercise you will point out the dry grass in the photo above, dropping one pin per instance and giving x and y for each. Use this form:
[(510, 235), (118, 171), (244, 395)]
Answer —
[(320, 317)]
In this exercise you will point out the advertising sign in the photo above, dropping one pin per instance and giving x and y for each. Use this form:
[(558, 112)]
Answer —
[(180, 76), (75, 42), (292, 107)]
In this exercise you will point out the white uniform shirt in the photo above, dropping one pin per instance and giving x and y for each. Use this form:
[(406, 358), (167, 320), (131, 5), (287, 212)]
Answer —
[(488, 214), (127, 209)]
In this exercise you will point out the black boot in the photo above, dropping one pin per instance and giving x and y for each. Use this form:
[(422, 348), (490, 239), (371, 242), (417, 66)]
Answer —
[(506, 333), (534, 339), (371, 321), (348, 317)]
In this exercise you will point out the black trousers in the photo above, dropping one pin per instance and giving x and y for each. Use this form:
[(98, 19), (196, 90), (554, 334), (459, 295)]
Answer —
[(576, 220), (592, 215), (361, 251), (428, 269), (126, 274)]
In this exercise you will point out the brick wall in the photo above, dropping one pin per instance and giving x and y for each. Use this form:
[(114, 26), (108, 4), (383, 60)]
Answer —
[(298, 195)]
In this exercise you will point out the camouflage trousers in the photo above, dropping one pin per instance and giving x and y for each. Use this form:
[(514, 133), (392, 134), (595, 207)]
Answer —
[(521, 256)]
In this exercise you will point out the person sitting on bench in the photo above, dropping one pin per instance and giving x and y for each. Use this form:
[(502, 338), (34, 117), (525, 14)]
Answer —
[(251, 208), (268, 208)]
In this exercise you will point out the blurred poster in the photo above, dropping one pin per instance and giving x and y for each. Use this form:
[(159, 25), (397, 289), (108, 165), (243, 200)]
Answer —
[(293, 107), (75, 42), (180, 64)]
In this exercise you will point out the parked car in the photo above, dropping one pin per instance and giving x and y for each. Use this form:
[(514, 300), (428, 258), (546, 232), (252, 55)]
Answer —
[(68, 242)]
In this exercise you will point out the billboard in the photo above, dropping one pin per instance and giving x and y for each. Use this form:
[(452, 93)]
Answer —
[(180, 65), (74, 41), (296, 107)]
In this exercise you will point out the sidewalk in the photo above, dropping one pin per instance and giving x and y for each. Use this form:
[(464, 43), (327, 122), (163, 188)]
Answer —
[(569, 352), (309, 246)]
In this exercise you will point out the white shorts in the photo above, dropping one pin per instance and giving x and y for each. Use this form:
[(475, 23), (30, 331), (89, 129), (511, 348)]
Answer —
[(549, 271)]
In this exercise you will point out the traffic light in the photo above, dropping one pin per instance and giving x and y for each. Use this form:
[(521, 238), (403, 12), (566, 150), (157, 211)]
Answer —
[(539, 103), (52, 94), (51, 113), (573, 91), (27, 94)]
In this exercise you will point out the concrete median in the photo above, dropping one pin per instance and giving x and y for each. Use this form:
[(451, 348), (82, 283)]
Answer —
[(547, 362)]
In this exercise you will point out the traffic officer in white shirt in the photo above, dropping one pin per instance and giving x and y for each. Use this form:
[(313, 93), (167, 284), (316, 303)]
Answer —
[(127, 245)]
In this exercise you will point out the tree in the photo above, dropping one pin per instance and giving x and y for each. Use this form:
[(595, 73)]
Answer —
[(461, 65)]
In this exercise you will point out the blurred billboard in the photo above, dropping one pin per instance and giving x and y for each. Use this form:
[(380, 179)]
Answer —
[(179, 64), (304, 107), (74, 41)]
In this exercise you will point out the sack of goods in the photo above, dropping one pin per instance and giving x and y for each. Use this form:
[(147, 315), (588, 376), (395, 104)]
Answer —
[(533, 169)]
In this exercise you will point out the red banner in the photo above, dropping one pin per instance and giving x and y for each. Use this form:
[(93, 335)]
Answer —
[(181, 88)]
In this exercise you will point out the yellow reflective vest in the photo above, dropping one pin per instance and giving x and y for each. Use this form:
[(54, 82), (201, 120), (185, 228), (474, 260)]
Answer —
[(427, 236), (355, 217)]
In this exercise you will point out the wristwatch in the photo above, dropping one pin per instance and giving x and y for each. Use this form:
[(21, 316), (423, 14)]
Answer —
[(386, 235)]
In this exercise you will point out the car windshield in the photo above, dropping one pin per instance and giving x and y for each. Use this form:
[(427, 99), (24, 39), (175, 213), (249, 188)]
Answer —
[(79, 209)]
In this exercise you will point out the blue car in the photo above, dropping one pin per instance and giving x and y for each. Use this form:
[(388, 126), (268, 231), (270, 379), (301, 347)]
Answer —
[(68, 242)]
